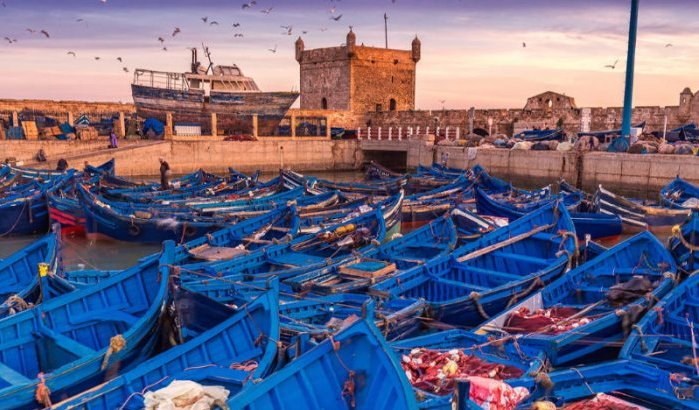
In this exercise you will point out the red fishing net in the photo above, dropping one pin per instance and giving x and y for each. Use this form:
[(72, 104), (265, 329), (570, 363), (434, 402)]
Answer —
[(548, 321), (603, 402), (437, 371)]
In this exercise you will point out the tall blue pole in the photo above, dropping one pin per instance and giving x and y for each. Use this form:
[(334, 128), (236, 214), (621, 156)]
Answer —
[(630, 63)]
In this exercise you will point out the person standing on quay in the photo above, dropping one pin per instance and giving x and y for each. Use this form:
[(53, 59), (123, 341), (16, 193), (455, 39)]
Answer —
[(164, 174)]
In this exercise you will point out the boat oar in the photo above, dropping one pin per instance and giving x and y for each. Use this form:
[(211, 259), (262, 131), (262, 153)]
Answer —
[(500, 245)]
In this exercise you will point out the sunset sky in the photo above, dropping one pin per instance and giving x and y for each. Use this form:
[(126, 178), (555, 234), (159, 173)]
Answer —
[(472, 52)]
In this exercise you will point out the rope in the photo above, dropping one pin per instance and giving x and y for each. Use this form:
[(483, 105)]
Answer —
[(116, 344), (14, 225), (515, 298), (16, 304), (476, 297), (641, 340), (42, 394), (677, 233)]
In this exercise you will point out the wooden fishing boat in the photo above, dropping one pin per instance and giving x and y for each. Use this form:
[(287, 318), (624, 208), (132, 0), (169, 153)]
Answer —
[(614, 385), (471, 226), (358, 273), (679, 194), (637, 217), (474, 355), (315, 318), (376, 171), (541, 135), (308, 252), (665, 337), (76, 341), (684, 243), (218, 343), (585, 314), (32, 275), (157, 223), (597, 225), (421, 208), (354, 369), (376, 188), (484, 277), (25, 212)]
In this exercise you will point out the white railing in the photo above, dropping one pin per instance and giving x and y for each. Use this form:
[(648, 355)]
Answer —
[(408, 133)]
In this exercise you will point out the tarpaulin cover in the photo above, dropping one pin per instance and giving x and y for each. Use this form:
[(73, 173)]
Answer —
[(618, 145), (67, 128), (155, 125)]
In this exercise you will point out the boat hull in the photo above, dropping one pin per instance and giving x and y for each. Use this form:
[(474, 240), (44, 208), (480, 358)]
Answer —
[(235, 109)]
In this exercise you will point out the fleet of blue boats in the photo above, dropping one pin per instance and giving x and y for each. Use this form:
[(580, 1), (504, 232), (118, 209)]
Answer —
[(444, 288)]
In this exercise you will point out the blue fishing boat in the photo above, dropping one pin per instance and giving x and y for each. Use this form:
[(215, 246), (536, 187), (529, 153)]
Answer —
[(378, 188), (666, 336), (308, 252), (155, 224), (32, 275), (638, 217), (354, 369), (587, 312), (486, 276), (73, 342), (679, 194), (358, 273), (475, 356), (220, 344), (471, 226), (25, 212), (597, 225), (684, 243), (541, 135), (619, 384)]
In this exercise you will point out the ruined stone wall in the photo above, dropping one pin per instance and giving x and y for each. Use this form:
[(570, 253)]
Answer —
[(76, 107), (325, 73), (509, 121), (379, 76)]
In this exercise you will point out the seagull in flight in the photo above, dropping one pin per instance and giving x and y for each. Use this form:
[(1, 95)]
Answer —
[(32, 31), (249, 4), (273, 50), (668, 45), (46, 33), (336, 18), (236, 35), (612, 66), (162, 40), (524, 45), (236, 24), (97, 58), (205, 19), (71, 53), (119, 59), (176, 31), (214, 23), (126, 70), (267, 10), (10, 40)]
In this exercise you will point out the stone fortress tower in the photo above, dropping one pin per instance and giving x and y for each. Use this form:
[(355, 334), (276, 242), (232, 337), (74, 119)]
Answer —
[(357, 78)]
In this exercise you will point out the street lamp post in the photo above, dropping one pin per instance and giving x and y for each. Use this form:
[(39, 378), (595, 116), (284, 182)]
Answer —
[(630, 63)]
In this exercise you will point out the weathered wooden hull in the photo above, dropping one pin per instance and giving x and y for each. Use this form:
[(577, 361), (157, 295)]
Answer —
[(234, 109)]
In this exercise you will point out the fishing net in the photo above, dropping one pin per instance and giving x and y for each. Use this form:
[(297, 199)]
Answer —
[(547, 321), (437, 371), (603, 402), (626, 292)]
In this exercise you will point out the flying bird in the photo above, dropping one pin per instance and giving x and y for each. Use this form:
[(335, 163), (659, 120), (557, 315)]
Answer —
[(32, 31), (236, 24), (336, 18), (119, 59), (164, 48), (46, 33), (214, 23), (273, 50), (612, 66), (524, 45), (177, 31), (323, 29), (97, 58), (10, 40), (205, 19), (289, 30), (249, 4), (236, 35), (162, 40), (267, 10), (668, 45), (71, 53), (126, 70)]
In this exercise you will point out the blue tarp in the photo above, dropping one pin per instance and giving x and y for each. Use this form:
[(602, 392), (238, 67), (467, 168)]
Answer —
[(66, 128), (618, 145), (155, 125), (14, 133)]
